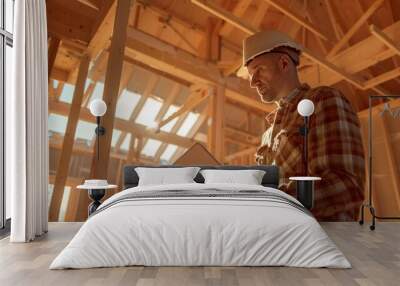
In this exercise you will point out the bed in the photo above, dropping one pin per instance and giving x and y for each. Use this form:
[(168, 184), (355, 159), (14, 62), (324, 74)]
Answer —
[(201, 224)]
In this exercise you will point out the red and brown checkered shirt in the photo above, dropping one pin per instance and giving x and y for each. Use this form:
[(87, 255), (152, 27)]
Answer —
[(335, 150)]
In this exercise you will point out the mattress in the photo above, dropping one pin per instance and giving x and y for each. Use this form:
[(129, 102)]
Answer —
[(201, 225)]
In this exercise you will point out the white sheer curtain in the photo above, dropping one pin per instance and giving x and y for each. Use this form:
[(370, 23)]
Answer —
[(26, 119)]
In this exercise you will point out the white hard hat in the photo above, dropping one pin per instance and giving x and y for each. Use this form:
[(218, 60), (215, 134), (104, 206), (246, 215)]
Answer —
[(266, 41)]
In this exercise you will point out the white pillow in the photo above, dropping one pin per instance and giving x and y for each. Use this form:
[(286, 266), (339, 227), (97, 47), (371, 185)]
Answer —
[(248, 177), (165, 176)]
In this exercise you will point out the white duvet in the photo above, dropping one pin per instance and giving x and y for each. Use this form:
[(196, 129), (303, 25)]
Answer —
[(200, 231)]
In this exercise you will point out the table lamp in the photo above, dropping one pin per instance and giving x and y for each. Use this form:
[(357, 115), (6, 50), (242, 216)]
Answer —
[(305, 108), (305, 185), (98, 108)]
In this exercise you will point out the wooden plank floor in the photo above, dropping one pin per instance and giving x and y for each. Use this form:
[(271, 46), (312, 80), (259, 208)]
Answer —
[(375, 257)]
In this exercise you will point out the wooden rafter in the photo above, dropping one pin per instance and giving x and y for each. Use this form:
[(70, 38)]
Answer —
[(58, 91), (212, 39), (81, 149), (53, 49), (169, 59), (195, 129), (332, 17), (214, 9), (174, 129), (200, 121), (292, 28), (297, 18), (386, 40), (95, 74), (333, 68), (223, 14), (192, 102), (180, 35), (166, 104), (253, 139), (173, 94), (239, 11), (151, 83), (110, 96), (367, 52), (126, 77), (255, 22), (90, 3), (245, 152), (102, 35), (124, 125), (175, 90), (382, 78), (216, 134), (131, 152), (73, 118), (361, 21)]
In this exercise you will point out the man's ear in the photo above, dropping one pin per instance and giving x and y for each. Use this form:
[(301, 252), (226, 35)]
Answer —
[(284, 63)]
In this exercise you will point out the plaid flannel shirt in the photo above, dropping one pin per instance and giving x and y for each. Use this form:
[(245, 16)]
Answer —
[(335, 150)]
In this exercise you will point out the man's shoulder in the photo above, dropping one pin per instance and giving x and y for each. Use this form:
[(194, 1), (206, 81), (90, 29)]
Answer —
[(323, 94)]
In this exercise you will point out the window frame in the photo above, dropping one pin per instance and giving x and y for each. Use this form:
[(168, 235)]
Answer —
[(6, 39)]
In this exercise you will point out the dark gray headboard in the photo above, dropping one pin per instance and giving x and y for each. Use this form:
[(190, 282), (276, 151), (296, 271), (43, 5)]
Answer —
[(270, 179)]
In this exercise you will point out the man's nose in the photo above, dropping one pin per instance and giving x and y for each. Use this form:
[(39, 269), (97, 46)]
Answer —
[(253, 81)]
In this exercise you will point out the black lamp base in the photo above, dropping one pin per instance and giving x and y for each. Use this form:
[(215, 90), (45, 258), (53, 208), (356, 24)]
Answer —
[(96, 195), (305, 193)]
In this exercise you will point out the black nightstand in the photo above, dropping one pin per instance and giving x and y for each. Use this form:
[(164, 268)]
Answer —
[(96, 193), (305, 190)]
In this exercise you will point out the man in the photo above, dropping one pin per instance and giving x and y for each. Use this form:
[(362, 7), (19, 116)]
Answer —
[(335, 150)]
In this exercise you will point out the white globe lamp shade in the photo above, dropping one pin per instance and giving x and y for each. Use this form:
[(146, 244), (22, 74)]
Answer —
[(98, 107), (305, 107)]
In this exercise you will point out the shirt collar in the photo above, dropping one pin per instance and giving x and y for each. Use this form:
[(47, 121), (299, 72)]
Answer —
[(289, 99)]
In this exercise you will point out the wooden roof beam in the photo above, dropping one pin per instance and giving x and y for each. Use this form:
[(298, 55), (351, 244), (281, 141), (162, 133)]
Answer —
[(253, 139), (382, 78), (83, 149), (297, 18), (219, 12), (386, 40), (223, 14), (245, 152), (161, 113), (53, 49), (216, 132), (99, 167), (151, 83), (192, 102), (112, 84), (90, 3), (174, 129), (63, 165), (354, 59), (239, 11), (167, 58), (333, 68), (59, 74), (168, 23), (255, 22), (101, 36), (361, 21), (124, 125)]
